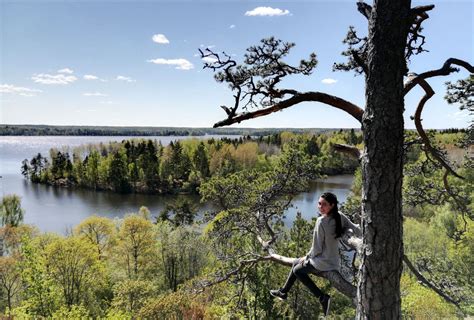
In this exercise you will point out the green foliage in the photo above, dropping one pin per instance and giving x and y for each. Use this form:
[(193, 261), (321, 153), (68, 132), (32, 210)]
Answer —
[(76, 312), (176, 305), (180, 212), (419, 302), (182, 252), (75, 268), (131, 295), (98, 231), (136, 246), (11, 213), (41, 296)]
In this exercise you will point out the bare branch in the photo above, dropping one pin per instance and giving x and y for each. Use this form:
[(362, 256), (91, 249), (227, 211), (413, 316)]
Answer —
[(348, 149), (420, 10), (334, 101), (461, 206), (429, 284)]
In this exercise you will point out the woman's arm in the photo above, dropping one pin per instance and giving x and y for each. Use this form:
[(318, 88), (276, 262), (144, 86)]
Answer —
[(348, 224)]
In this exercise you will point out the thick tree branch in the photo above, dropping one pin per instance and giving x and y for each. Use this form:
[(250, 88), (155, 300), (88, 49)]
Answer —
[(445, 70), (334, 101), (419, 128)]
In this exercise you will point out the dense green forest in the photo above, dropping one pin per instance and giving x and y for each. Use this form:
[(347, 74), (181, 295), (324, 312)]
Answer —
[(146, 166), (169, 265), (48, 130)]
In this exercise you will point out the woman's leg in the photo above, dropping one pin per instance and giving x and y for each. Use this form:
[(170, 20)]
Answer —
[(291, 277), (302, 271)]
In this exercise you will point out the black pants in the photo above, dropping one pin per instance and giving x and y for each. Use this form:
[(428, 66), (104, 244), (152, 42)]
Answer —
[(301, 270)]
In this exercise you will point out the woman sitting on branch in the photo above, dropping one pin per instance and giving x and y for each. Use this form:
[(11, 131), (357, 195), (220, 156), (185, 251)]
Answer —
[(324, 253)]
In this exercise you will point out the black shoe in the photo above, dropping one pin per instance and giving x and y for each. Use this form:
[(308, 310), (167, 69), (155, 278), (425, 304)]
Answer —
[(325, 301), (278, 294)]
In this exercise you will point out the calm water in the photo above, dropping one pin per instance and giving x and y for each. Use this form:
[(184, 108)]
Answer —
[(58, 210)]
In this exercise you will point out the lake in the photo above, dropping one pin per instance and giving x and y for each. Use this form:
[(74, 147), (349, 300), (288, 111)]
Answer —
[(54, 209)]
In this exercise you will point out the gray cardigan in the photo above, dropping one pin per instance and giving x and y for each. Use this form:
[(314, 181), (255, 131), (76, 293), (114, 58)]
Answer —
[(324, 253)]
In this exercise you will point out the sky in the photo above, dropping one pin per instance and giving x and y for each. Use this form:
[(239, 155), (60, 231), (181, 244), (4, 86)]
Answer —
[(136, 63)]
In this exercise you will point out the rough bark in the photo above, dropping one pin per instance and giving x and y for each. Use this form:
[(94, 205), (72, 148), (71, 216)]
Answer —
[(379, 279)]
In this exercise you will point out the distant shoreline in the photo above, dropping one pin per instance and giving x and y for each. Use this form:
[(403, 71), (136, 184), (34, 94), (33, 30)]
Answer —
[(49, 130), (52, 130)]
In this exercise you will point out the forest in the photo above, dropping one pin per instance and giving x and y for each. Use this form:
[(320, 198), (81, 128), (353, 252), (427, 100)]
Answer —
[(145, 166), (177, 265)]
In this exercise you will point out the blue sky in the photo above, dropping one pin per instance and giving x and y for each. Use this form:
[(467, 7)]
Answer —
[(125, 63)]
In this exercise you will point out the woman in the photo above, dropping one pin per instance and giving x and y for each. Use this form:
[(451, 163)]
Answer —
[(324, 253)]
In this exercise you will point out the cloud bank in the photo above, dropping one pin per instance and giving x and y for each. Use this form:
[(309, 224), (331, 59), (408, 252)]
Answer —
[(21, 91), (61, 79)]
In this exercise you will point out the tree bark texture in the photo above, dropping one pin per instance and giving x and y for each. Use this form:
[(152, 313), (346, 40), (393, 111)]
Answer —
[(382, 252)]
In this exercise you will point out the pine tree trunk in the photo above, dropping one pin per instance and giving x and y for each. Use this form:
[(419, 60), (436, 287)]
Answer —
[(379, 279)]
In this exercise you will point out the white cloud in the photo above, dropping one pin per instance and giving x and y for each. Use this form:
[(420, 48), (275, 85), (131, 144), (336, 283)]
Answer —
[(22, 91), (66, 70), (209, 59), (123, 78), (460, 115), (93, 77), (53, 79), (106, 102), (266, 11), (181, 64), (160, 38), (232, 26), (209, 46), (90, 77), (329, 81), (94, 94)]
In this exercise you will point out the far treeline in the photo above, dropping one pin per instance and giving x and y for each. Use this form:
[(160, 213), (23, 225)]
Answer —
[(46, 130), (146, 166)]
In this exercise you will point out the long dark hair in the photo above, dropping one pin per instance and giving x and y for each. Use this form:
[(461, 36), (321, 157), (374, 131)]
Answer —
[(332, 199)]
